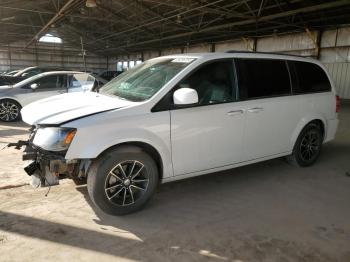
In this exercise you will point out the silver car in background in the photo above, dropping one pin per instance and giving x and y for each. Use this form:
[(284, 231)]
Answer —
[(14, 97)]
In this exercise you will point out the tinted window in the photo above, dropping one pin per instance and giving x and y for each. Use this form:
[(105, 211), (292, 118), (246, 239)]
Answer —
[(52, 81), (309, 78), (262, 78), (108, 75), (213, 82)]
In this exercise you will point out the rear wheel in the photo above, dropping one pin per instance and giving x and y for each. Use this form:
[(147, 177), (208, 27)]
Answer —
[(122, 182), (9, 110), (307, 147)]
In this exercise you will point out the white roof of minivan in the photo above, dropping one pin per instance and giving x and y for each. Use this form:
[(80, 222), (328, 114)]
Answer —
[(245, 54)]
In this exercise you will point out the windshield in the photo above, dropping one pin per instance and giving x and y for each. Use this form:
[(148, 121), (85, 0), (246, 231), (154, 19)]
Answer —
[(143, 81)]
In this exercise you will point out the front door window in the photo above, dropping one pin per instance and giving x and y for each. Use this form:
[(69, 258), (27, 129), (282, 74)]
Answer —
[(213, 83)]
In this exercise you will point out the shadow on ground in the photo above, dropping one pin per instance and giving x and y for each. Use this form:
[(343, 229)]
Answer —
[(217, 217)]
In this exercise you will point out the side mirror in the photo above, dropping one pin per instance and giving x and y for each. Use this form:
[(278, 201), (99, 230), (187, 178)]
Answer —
[(185, 96), (34, 86)]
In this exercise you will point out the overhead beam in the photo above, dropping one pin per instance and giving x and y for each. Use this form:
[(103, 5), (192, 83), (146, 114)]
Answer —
[(159, 20), (249, 21), (176, 11), (122, 19), (17, 24), (45, 12), (53, 20), (179, 5), (5, 33), (154, 13)]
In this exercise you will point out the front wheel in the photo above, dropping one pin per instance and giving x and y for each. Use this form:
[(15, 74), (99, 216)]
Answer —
[(307, 148), (9, 110), (122, 182)]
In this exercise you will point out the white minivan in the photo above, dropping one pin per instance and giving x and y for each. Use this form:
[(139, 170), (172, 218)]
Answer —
[(180, 116)]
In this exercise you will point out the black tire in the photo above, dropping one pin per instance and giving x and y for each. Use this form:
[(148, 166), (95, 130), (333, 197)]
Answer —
[(308, 146), (10, 110), (103, 184)]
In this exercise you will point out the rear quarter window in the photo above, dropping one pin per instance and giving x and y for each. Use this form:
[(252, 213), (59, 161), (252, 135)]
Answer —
[(309, 78)]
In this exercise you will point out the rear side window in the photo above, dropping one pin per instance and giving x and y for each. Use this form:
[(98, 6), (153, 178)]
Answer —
[(51, 82), (309, 78), (260, 78)]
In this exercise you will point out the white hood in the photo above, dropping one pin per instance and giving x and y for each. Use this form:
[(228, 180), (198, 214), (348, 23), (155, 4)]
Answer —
[(66, 107)]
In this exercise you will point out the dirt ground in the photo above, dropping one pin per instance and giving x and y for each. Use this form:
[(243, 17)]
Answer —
[(269, 211)]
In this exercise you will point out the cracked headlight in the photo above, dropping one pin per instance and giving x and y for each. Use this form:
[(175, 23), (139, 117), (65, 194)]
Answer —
[(54, 138)]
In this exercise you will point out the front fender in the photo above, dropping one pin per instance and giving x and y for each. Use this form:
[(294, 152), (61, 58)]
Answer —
[(153, 129)]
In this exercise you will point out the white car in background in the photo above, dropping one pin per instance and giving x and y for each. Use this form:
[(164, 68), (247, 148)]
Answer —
[(14, 97), (181, 116)]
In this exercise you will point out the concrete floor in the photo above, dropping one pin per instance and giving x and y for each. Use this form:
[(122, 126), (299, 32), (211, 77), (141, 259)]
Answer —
[(269, 211)]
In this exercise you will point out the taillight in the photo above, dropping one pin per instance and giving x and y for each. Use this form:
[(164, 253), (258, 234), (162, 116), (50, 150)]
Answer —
[(337, 104)]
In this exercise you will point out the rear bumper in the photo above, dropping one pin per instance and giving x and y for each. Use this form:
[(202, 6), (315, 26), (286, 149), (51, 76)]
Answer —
[(332, 125)]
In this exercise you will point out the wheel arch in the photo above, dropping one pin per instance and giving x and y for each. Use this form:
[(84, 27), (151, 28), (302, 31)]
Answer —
[(12, 99), (137, 146), (319, 120)]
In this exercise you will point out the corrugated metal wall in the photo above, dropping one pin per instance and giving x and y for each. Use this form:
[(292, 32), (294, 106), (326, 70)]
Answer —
[(340, 73), (14, 57)]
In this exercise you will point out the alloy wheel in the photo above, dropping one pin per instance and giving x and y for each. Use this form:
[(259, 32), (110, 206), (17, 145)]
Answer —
[(8, 111), (310, 145), (126, 183)]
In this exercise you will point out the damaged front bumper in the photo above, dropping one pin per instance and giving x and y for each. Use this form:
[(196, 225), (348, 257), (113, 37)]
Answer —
[(46, 168)]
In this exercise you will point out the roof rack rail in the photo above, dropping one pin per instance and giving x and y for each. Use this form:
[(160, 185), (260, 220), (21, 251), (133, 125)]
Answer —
[(264, 53)]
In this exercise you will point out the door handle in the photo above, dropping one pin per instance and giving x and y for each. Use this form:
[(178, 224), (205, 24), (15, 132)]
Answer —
[(235, 112), (255, 109)]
